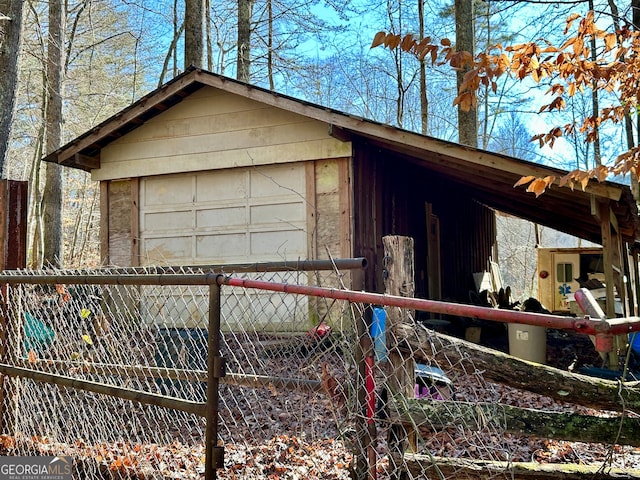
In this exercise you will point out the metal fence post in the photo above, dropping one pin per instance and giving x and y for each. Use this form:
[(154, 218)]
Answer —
[(365, 464), (4, 355), (214, 457)]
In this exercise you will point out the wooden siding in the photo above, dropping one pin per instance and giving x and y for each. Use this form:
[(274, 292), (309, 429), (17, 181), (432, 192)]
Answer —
[(119, 222), (332, 208), (212, 129), (390, 198)]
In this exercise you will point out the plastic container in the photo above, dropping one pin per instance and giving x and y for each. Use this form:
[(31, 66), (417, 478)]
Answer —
[(186, 349), (378, 333), (528, 342)]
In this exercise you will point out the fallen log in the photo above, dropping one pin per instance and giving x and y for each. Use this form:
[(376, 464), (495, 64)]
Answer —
[(439, 414), (425, 466), (502, 368)]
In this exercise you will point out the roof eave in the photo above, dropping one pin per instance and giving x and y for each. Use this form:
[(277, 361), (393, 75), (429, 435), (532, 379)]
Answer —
[(83, 152)]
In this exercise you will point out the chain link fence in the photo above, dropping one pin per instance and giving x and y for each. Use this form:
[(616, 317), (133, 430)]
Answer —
[(315, 387)]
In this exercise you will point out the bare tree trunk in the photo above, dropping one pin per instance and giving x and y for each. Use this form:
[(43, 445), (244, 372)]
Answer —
[(193, 33), (397, 58), (243, 70), (270, 46), (73, 241), (597, 156), (52, 194), (568, 426), (82, 253), (171, 52), (428, 466), (173, 49), (424, 101), (499, 367), (207, 29), (628, 123), (467, 120), (35, 214), (10, 40), (635, 183)]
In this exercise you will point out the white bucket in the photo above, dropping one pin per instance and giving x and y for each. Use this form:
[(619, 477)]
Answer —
[(528, 342)]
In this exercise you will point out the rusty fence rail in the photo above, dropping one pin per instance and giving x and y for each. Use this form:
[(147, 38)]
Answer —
[(280, 373)]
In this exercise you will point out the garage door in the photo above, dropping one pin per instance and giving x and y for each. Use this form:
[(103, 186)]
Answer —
[(228, 216)]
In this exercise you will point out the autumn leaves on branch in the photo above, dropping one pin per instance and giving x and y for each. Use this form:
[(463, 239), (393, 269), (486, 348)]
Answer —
[(570, 69)]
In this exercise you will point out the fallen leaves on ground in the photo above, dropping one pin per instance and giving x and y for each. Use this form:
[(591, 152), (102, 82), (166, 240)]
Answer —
[(282, 457)]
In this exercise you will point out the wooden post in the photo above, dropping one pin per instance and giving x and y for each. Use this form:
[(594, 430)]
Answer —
[(399, 280), (13, 255), (609, 249)]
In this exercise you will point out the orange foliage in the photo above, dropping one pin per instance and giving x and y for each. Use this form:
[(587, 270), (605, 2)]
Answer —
[(616, 70)]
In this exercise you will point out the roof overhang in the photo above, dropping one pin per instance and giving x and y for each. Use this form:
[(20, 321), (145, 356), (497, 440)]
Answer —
[(490, 179), (488, 176)]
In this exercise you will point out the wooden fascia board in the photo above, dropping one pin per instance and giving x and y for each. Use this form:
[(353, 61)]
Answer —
[(84, 161), (496, 190), (339, 133), (417, 145), (524, 205), (583, 229), (494, 180), (129, 116)]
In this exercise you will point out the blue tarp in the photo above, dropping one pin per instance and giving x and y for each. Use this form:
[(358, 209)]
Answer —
[(38, 336)]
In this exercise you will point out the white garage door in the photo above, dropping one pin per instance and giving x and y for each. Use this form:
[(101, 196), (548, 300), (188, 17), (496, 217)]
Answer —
[(226, 216)]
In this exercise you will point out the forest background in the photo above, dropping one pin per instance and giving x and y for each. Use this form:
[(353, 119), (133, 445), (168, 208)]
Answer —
[(112, 52)]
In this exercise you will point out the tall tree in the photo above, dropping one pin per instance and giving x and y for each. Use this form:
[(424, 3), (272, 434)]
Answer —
[(193, 33), (52, 193), (243, 67), (424, 99), (628, 122), (10, 40), (465, 39), (571, 71), (288, 34)]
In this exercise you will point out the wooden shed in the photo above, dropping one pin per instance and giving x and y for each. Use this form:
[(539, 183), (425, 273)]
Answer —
[(209, 170)]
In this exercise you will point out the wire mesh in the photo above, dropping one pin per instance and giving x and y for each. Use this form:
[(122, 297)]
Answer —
[(311, 387)]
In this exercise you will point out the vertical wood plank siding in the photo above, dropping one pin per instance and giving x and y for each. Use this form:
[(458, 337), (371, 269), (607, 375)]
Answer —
[(389, 199), (367, 199), (122, 208)]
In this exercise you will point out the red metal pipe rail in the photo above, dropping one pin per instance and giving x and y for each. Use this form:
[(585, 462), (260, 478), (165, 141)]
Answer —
[(586, 325)]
